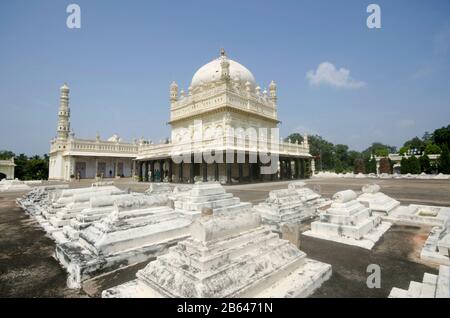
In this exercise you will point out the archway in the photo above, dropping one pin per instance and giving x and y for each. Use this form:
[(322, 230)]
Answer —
[(2, 176)]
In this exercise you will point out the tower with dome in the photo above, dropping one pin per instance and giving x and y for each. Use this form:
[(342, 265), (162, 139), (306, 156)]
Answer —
[(224, 114), (223, 97)]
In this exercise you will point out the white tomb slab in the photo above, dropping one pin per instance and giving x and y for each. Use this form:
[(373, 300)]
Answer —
[(293, 205), (13, 186), (159, 188), (133, 233), (349, 222), (228, 255), (38, 199), (62, 216), (432, 286), (419, 214), (209, 195), (103, 205), (437, 247), (378, 202)]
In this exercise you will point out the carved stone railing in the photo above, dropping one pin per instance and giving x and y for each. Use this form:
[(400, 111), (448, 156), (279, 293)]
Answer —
[(222, 144), (219, 97), (84, 145)]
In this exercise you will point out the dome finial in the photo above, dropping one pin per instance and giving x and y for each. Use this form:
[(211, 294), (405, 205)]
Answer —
[(222, 52)]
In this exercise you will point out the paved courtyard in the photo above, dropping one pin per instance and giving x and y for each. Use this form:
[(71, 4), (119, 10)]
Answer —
[(28, 269)]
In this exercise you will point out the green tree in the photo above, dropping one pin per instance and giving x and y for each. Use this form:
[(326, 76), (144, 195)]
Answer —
[(324, 149), (414, 165), (338, 166), (432, 149), (441, 136), (404, 166), (377, 146), (371, 166), (358, 166), (415, 143), (294, 137), (403, 150), (6, 154), (382, 152), (444, 160), (425, 165)]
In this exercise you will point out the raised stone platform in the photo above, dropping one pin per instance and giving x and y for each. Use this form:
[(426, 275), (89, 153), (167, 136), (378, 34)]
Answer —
[(419, 215), (432, 286), (228, 255), (101, 206), (376, 201), (349, 222), (210, 195), (290, 206), (133, 233)]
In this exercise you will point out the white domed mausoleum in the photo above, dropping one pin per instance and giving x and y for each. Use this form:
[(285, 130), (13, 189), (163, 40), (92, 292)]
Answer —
[(219, 128)]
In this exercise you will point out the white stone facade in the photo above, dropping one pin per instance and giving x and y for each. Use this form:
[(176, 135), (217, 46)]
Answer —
[(7, 169)]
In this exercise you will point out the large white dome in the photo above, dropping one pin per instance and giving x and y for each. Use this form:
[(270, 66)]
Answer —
[(211, 72)]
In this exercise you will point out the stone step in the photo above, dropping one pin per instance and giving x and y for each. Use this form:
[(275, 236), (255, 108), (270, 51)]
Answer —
[(414, 289)]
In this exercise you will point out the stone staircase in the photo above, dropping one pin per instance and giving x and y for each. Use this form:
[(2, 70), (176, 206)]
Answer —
[(432, 286)]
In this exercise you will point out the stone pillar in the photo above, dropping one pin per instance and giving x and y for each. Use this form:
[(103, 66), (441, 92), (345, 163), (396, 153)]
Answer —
[(205, 171), (161, 170), (141, 171), (180, 172), (170, 169), (146, 172), (281, 169), (216, 171), (191, 170), (152, 171), (240, 171), (96, 167), (302, 168), (229, 172), (260, 175), (289, 169)]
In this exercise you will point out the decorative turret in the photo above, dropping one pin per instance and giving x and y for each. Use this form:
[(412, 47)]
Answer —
[(64, 113), (173, 92), (273, 92), (224, 65)]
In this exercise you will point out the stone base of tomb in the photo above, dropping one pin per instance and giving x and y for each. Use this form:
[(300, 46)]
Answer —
[(437, 247), (432, 286), (81, 265), (419, 215), (378, 202), (131, 234), (366, 241), (228, 255), (299, 283)]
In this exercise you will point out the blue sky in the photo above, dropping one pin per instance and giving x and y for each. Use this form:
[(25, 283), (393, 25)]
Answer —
[(120, 63)]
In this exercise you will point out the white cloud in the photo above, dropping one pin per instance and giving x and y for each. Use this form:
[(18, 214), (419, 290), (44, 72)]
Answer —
[(328, 74)]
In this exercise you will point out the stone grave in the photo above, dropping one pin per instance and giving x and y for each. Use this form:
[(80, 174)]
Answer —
[(349, 222)]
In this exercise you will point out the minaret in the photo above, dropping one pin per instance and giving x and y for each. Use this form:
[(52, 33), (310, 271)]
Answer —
[(273, 92), (64, 113), (224, 65), (173, 92)]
